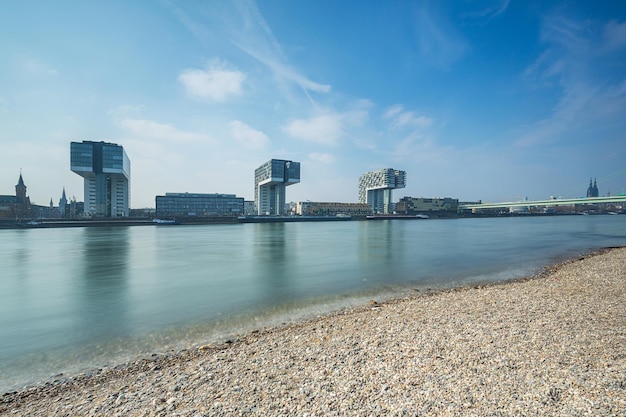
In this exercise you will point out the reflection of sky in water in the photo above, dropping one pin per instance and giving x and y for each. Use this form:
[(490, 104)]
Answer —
[(88, 296)]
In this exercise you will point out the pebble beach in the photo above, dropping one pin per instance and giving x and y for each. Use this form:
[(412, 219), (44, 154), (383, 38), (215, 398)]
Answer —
[(551, 344)]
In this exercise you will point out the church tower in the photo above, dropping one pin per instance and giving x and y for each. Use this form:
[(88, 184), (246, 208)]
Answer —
[(20, 190), (22, 203), (62, 204)]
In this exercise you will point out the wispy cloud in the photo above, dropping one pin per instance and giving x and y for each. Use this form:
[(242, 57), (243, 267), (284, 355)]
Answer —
[(256, 39), (576, 57), (419, 148), (489, 10), (243, 25), (248, 136), (218, 82), (324, 129), (437, 39), (403, 118), (36, 67), (152, 130), (614, 36)]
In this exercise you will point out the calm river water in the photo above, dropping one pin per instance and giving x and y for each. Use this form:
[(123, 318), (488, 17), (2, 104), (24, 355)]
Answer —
[(78, 298)]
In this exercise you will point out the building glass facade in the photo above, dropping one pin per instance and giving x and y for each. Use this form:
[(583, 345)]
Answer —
[(199, 205), (105, 168), (270, 181), (375, 188), (411, 205), (314, 208)]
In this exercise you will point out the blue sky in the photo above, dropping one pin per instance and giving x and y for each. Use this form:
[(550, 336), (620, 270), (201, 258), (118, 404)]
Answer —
[(491, 100)]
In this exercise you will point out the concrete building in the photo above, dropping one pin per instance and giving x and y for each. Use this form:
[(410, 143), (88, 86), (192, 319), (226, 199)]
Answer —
[(375, 188), (270, 181), (313, 208), (105, 168), (199, 205)]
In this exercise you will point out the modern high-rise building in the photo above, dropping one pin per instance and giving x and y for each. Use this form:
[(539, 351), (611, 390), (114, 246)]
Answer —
[(105, 168), (270, 181), (375, 188)]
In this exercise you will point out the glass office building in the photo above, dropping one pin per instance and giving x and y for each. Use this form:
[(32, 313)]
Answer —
[(198, 205), (270, 181), (105, 168), (375, 188)]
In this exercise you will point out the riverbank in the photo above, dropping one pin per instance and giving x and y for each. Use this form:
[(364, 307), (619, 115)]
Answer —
[(550, 345)]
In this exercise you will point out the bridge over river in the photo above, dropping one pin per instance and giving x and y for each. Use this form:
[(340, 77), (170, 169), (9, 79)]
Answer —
[(546, 203)]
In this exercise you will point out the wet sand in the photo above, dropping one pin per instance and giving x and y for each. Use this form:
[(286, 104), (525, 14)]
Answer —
[(553, 344)]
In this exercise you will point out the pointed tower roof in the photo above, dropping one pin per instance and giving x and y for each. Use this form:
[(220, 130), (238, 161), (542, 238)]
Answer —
[(21, 180), (63, 196)]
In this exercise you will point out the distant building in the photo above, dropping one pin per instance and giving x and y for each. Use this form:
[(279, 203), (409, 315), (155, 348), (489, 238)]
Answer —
[(592, 190), (146, 212), (105, 168), (198, 205), (18, 205), (313, 208), (270, 181), (248, 208), (411, 205), (375, 188)]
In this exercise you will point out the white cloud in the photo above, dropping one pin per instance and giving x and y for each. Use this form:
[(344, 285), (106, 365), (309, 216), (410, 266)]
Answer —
[(325, 129), (324, 158), (160, 131), (400, 118), (216, 83), (248, 136), (243, 25)]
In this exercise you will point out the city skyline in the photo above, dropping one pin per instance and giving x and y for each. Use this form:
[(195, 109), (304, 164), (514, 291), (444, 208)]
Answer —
[(494, 101)]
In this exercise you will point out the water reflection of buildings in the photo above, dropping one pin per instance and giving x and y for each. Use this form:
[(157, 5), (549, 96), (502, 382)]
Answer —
[(103, 279), (377, 241), (274, 264)]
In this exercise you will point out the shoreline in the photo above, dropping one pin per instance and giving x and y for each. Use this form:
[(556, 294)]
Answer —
[(357, 359)]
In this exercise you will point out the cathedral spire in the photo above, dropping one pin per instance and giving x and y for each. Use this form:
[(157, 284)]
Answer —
[(62, 204)]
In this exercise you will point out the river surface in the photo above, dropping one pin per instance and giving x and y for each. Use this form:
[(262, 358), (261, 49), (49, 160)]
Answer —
[(74, 299)]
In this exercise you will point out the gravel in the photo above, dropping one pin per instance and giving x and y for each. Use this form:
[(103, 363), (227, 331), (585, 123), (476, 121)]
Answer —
[(553, 344)]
